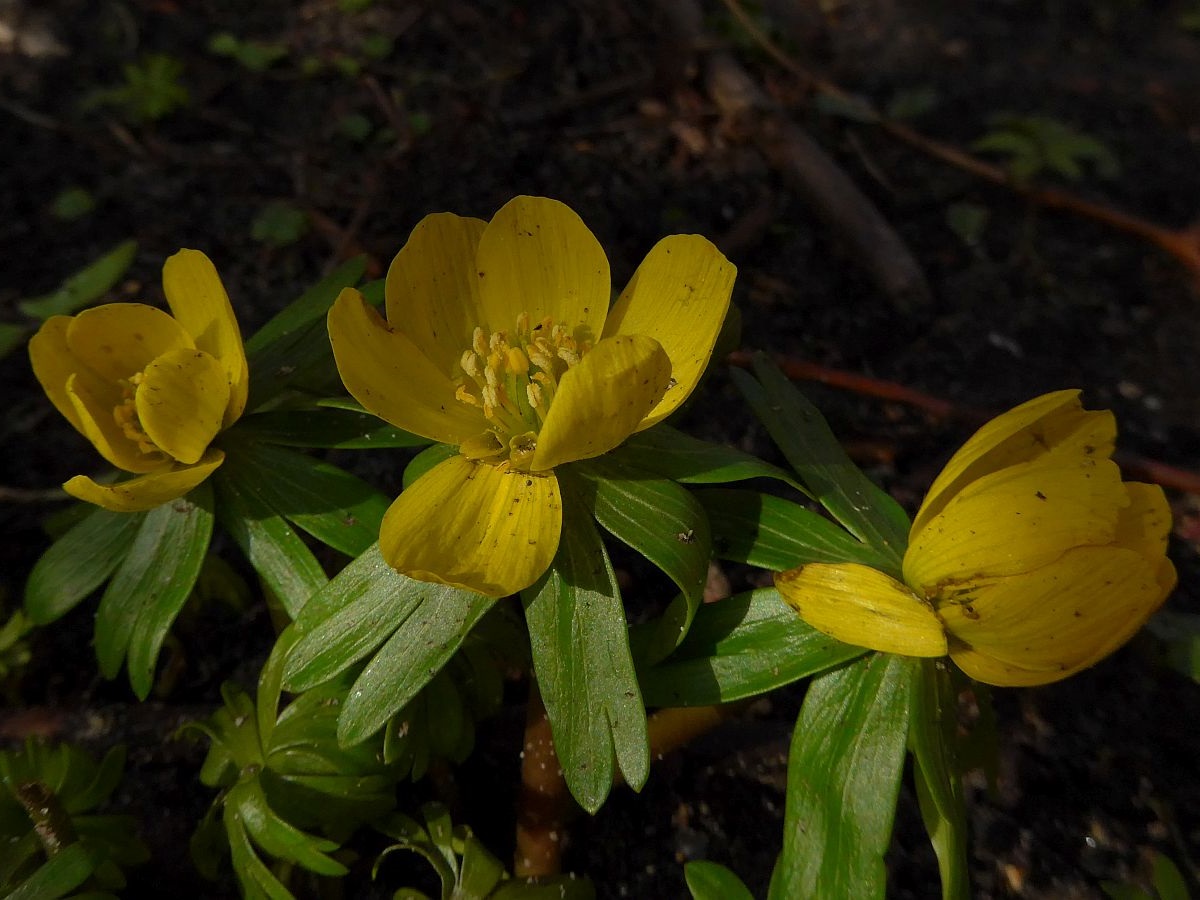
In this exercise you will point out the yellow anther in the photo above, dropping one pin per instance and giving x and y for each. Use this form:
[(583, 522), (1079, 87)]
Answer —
[(470, 364), (518, 362), (512, 376), (462, 395)]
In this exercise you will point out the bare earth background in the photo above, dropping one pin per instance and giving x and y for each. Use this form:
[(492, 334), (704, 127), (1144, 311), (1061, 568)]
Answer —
[(597, 103)]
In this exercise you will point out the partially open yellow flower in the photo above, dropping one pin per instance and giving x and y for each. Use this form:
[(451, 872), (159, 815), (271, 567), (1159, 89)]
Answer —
[(499, 340), (1029, 560), (148, 389)]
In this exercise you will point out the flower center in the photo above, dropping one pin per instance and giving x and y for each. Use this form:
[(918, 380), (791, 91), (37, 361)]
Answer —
[(126, 416), (512, 377)]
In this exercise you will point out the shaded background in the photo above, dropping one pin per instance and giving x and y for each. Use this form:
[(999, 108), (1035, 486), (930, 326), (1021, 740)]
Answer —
[(310, 132)]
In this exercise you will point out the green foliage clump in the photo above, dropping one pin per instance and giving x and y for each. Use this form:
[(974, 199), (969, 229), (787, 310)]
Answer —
[(1041, 145), (52, 842), (151, 90), (464, 866), (282, 776)]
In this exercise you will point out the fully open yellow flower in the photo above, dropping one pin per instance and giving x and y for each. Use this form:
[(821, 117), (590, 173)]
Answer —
[(1029, 560), (499, 340), (148, 389)]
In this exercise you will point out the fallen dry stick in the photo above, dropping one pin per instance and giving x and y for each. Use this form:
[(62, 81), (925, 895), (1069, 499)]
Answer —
[(1183, 244), (807, 168)]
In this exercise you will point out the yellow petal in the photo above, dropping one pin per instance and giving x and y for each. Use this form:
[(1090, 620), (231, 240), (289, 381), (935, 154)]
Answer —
[(118, 340), (1015, 520), (54, 365), (476, 526), (145, 491), (537, 256), (990, 670), (862, 606), (1054, 422), (1145, 523), (1054, 620), (600, 402), (385, 372), (94, 419), (432, 288), (198, 300), (181, 401), (679, 296)]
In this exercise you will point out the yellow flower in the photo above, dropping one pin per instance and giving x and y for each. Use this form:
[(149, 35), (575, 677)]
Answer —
[(499, 340), (149, 390), (1029, 560)]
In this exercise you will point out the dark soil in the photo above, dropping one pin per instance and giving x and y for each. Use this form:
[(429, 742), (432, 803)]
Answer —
[(588, 101)]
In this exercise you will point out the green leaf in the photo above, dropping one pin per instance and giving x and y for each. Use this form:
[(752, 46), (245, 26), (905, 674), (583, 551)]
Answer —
[(72, 204), (59, 875), (414, 654), (293, 347), (580, 648), (85, 286), (844, 770), (359, 610), (772, 533), (11, 337), (805, 439), (1168, 880), (279, 224), (309, 307), (320, 426), (335, 507), (479, 872), (1179, 633), (932, 740), (278, 838), (151, 585), (661, 521), (712, 881), (670, 453), (738, 647), (78, 563), (257, 881), (342, 623), (556, 887), (104, 780), (281, 559)]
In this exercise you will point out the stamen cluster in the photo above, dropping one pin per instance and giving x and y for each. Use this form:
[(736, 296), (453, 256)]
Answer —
[(513, 378), (125, 414)]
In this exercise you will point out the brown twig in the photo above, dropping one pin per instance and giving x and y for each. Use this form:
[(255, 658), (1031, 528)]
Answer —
[(1183, 244), (544, 804), (802, 370), (1140, 467), (809, 171)]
